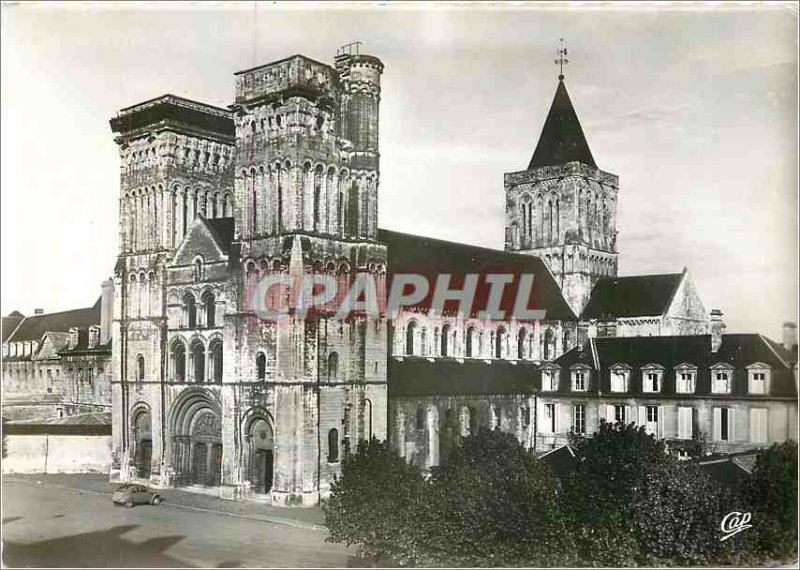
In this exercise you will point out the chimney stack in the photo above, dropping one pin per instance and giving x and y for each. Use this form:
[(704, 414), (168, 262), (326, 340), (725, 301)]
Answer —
[(38, 311), (717, 327), (789, 335)]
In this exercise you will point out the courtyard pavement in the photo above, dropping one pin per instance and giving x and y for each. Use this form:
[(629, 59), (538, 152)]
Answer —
[(69, 521)]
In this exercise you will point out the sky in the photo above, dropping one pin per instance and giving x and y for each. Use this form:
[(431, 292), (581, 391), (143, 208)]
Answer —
[(695, 108)]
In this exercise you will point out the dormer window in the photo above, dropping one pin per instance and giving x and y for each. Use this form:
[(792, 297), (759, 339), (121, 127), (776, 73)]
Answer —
[(721, 379), (73, 338), (620, 377), (94, 336), (758, 378), (652, 374), (549, 379), (685, 379), (580, 379)]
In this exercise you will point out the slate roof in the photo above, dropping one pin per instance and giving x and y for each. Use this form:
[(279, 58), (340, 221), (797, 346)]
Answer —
[(634, 296), (431, 257), (418, 376), (562, 139), (222, 229), (737, 350), (10, 323), (32, 328)]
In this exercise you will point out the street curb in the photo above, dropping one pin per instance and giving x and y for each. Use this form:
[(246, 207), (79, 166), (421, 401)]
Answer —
[(266, 519)]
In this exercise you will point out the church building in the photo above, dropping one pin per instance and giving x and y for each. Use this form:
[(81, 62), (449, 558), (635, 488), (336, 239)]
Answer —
[(285, 182)]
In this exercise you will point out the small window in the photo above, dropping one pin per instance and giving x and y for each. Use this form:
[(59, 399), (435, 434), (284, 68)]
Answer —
[(333, 367), (579, 381), (619, 414), (420, 418), (685, 423), (652, 382), (333, 446), (619, 380), (140, 368), (721, 383), (579, 418), (526, 416), (549, 418), (758, 425), (723, 424), (549, 382), (758, 381), (261, 366), (495, 417), (651, 419), (685, 382)]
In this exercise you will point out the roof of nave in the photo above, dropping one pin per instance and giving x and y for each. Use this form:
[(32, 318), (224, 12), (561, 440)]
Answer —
[(411, 254), (10, 323), (418, 376), (562, 139), (737, 350), (222, 228), (635, 296), (33, 327)]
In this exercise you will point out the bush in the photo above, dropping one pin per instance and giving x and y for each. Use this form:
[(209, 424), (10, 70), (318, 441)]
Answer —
[(495, 505), (771, 497), (376, 504)]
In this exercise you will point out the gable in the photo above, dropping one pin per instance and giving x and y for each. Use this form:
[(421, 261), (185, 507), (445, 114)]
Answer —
[(635, 296), (686, 303), (201, 241)]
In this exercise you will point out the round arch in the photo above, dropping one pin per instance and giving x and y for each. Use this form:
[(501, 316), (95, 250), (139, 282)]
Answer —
[(258, 435), (195, 427)]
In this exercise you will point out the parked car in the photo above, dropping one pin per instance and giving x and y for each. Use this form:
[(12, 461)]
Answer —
[(132, 494)]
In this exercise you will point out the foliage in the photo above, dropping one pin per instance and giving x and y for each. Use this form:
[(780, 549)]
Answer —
[(495, 505), (376, 503), (771, 496), (676, 516)]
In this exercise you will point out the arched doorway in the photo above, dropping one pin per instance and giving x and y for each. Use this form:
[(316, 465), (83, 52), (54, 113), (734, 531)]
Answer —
[(196, 442), (260, 453), (143, 443)]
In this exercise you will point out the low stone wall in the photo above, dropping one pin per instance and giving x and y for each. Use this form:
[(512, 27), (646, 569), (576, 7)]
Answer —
[(49, 453)]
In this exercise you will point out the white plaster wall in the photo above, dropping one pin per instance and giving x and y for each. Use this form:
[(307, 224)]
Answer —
[(57, 454)]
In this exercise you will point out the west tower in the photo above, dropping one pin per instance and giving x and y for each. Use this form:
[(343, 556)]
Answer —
[(176, 158), (306, 180), (562, 208)]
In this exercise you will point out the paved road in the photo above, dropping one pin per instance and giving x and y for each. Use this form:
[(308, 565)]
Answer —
[(48, 525)]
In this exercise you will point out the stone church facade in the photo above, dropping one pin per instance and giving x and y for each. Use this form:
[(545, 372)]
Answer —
[(284, 183)]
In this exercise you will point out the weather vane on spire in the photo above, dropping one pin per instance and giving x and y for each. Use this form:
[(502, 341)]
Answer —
[(562, 58)]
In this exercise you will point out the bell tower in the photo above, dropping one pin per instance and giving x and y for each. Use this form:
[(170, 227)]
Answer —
[(563, 208), (306, 184)]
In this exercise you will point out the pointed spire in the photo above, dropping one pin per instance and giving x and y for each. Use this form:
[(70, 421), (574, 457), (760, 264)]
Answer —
[(562, 138)]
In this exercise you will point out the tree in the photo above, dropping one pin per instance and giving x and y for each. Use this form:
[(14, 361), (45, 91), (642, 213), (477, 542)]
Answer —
[(597, 499), (676, 515), (495, 504), (771, 496), (377, 504)]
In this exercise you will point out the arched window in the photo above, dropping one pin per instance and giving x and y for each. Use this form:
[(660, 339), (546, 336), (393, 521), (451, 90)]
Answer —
[(420, 418), (470, 344), (178, 357), (210, 309), (333, 446), (521, 343), (198, 270), (198, 354), (261, 366), (317, 191), (423, 341), (566, 342), (190, 308), (215, 353), (333, 367), (500, 339), (445, 336), (410, 329), (549, 344), (140, 368)]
